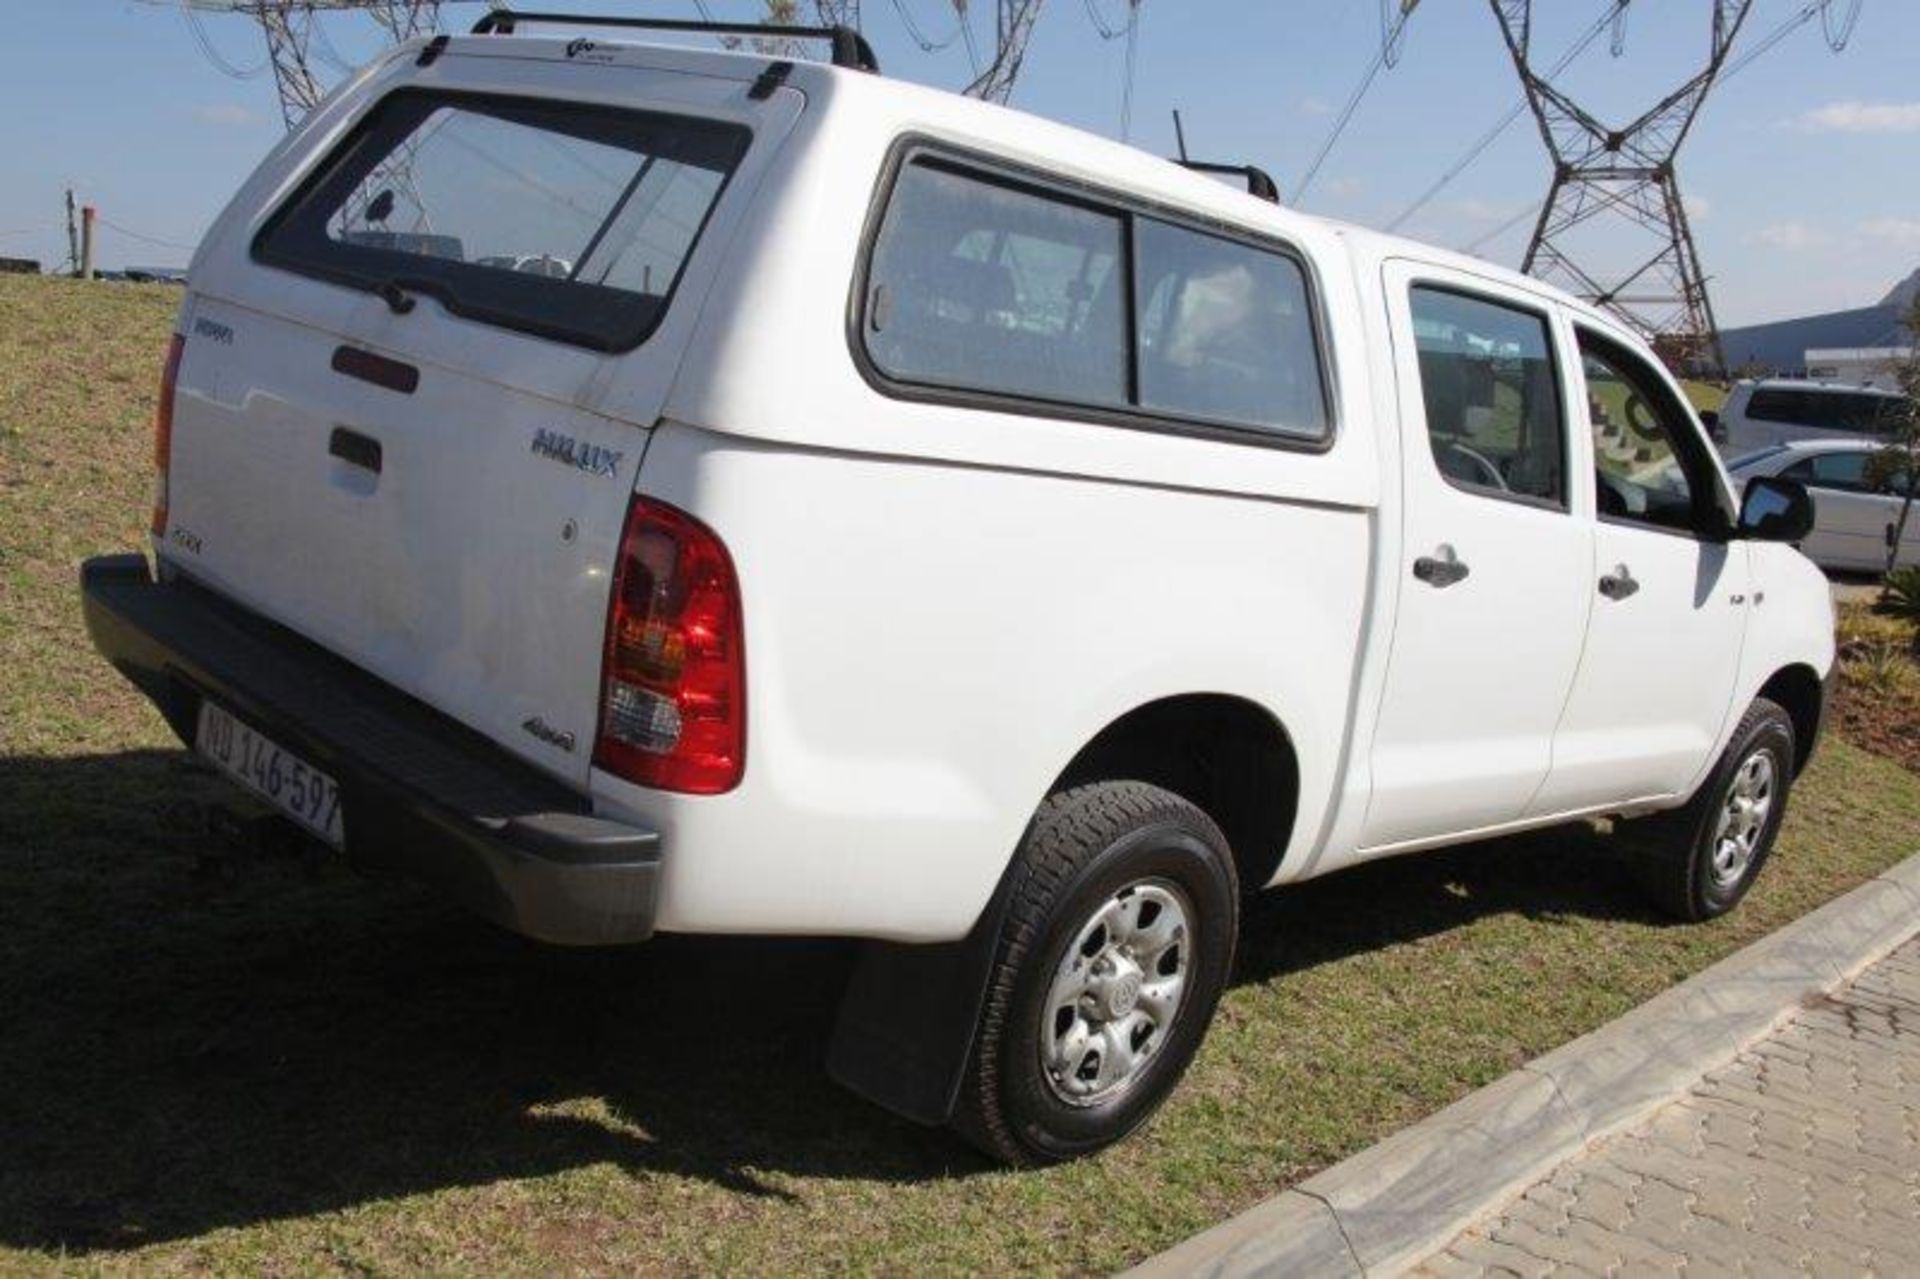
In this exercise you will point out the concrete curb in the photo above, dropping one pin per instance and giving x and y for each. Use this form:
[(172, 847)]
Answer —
[(1395, 1203)]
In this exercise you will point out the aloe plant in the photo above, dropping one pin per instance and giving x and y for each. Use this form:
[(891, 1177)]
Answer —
[(1900, 593)]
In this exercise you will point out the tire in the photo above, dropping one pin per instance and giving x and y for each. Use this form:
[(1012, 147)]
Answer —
[(1125, 894), (1684, 858)]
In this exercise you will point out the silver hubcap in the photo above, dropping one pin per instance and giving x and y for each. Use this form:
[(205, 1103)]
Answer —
[(1743, 819), (1116, 992)]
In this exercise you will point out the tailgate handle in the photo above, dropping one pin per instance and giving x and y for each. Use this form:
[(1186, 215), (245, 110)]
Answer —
[(377, 369), (351, 446)]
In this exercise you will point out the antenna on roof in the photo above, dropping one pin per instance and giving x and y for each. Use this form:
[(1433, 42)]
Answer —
[(1259, 182)]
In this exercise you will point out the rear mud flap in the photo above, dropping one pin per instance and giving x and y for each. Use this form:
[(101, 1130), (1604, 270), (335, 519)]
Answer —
[(907, 1021)]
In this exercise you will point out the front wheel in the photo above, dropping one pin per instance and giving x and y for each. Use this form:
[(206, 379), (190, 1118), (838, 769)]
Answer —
[(1698, 861), (1118, 940)]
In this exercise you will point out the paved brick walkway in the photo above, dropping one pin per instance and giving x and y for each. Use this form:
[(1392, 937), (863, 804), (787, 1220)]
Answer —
[(1801, 1156)]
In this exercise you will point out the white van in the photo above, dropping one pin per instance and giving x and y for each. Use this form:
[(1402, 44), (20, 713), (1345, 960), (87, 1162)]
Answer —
[(911, 520), (1760, 414)]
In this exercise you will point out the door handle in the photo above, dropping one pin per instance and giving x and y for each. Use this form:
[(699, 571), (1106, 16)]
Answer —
[(1441, 569), (354, 448), (1618, 584)]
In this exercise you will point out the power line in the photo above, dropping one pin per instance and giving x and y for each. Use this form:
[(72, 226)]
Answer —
[(1108, 29), (920, 37), (1388, 47), (212, 54), (1816, 9), (1838, 34), (1392, 31), (325, 50), (144, 239), (966, 34), (1529, 211)]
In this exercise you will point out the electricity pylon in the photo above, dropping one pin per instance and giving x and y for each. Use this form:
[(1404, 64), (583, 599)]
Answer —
[(291, 28), (1013, 27), (1626, 173)]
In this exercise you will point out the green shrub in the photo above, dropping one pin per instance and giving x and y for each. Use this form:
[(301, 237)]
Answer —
[(1900, 593)]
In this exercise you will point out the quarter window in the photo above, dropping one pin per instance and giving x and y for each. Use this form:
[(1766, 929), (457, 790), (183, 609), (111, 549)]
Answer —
[(1844, 471), (1225, 333), (989, 285), (1492, 400)]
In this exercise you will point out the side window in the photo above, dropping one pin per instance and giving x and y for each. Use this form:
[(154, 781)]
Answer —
[(991, 284), (1644, 471), (1844, 471), (1494, 417), (1225, 332), (1769, 404), (975, 284)]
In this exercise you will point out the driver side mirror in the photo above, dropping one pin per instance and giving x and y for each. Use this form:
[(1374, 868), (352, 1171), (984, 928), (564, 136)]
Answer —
[(1715, 431), (1775, 510)]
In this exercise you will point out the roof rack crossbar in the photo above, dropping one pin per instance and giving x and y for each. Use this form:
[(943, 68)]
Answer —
[(1259, 182), (850, 48)]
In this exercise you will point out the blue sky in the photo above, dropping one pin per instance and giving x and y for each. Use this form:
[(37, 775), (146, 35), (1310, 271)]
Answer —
[(1803, 171)]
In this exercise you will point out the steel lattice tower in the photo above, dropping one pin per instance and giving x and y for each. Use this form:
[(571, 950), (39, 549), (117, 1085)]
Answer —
[(291, 28), (1014, 21), (1626, 174)]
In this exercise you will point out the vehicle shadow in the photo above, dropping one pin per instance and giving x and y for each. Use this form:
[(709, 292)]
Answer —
[(188, 1044)]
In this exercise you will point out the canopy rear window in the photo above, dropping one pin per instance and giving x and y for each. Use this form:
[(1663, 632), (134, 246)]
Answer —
[(569, 221)]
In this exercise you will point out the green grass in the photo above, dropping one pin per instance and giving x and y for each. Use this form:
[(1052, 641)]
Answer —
[(278, 1067), (1704, 395)]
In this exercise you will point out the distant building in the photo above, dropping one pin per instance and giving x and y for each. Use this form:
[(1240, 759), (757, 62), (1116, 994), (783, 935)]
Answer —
[(19, 266), (1858, 366), (1783, 346)]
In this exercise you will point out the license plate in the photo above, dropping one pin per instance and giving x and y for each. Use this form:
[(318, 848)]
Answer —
[(269, 770)]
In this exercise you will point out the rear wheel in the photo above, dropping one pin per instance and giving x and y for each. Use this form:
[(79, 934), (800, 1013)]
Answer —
[(1118, 941), (1699, 860)]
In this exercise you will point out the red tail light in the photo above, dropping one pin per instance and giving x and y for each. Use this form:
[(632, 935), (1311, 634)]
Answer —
[(163, 433), (673, 708)]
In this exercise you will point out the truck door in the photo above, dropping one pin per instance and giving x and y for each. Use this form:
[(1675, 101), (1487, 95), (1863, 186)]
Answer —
[(1669, 592), (1853, 519), (1493, 579)]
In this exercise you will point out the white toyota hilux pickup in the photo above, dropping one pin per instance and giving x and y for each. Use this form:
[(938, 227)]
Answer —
[(882, 515)]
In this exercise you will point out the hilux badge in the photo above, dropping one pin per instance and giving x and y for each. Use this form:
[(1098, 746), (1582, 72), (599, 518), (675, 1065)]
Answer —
[(591, 458), (547, 733)]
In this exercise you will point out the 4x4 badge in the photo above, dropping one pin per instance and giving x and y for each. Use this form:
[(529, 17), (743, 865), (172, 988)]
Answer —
[(591, 458), (547, 733)]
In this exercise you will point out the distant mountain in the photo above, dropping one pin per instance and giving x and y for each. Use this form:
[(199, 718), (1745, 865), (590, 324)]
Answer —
[(1904, 292)]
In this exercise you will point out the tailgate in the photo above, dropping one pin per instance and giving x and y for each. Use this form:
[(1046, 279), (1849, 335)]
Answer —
[(415, 391)]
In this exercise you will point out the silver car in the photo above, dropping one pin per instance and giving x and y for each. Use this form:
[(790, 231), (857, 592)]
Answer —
[(1854, 519)]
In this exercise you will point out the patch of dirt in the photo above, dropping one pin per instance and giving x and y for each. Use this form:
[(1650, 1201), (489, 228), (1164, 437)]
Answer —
[(1886, 723)]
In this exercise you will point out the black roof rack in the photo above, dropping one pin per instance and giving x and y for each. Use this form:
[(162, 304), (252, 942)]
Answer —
[(850, 48), (1259, 181)]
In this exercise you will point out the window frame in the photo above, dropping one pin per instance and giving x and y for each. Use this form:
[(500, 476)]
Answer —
[(1554, 361), (997, 170), (1694, 452), (368, 128)]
